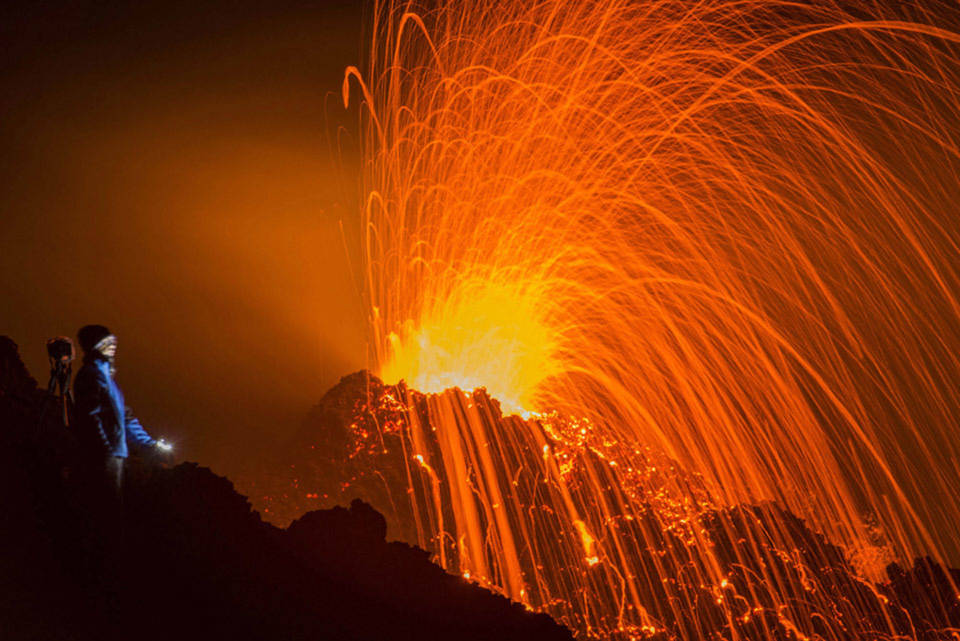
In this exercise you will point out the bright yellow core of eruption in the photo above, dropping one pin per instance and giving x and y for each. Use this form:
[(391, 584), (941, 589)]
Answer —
[(492, 337)]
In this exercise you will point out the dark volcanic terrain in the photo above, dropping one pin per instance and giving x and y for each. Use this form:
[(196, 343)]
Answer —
[(199, 563)]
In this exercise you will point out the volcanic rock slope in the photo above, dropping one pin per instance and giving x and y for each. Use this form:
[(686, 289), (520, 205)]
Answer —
[(824, 596), (198, 563)]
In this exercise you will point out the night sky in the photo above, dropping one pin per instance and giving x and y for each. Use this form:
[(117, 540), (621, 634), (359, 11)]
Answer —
[(172, 171)]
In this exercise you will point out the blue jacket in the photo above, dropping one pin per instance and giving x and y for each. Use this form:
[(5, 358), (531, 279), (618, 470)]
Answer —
[(103, 419)]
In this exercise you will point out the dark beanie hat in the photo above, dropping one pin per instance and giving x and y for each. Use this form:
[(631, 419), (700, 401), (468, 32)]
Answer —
[(90, 335)]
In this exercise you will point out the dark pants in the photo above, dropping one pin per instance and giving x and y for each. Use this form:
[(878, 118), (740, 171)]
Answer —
[(101, 487), (102, 503), (112, 480), (107, 503)]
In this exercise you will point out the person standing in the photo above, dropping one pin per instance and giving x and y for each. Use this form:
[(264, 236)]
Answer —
[(105, 425), (105, 428)]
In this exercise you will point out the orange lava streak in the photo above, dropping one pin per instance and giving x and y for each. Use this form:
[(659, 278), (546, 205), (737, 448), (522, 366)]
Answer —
[(723, 230)]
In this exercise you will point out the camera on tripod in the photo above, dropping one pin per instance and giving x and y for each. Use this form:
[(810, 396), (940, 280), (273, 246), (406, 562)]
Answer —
[(61, 352)]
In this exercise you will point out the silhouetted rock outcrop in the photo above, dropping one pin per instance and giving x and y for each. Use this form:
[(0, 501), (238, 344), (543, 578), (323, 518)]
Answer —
[(198, 562)]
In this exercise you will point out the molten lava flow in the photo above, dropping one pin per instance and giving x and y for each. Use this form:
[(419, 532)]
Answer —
[(615, 542), (723, 232)]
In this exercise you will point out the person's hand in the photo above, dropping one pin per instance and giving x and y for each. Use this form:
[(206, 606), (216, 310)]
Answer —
[(163, 451)]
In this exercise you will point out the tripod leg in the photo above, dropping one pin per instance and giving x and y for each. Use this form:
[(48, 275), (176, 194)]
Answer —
[(63, 382), (51, 393)]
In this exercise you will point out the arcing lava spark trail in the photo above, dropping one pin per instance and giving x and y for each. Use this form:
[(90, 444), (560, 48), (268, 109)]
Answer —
[(723, 231)]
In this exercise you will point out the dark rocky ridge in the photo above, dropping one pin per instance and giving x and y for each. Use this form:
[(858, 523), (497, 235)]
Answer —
[(198, 562)]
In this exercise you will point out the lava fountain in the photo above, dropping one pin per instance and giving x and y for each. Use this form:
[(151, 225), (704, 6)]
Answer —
[(717, 235)]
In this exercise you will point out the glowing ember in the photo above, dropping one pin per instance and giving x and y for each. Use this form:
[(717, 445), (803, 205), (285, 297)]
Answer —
[(721, 234)]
